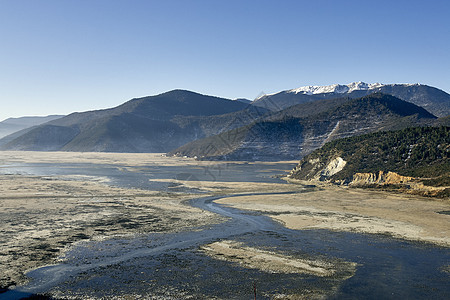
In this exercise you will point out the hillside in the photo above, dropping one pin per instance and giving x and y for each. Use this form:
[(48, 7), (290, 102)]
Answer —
[(150, 124), (298, 130), (12, 125), (383, 158), (432, 99), (187, 123)]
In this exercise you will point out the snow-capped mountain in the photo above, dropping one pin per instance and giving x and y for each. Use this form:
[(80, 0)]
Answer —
[(432, 99), (336, 88)]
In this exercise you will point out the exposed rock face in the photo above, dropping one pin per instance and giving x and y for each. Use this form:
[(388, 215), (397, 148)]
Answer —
[(334, 166), (420, 155), (314, 169), (404, 184), (382, 178)]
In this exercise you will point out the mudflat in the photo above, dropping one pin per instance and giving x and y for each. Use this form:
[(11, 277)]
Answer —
[(42, 216), (120, 159), (355, 210), (341, 209)]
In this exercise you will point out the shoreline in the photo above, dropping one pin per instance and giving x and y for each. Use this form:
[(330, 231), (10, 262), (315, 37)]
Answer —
[(114, 158), (43, 215), (337, 208), (401, 216)]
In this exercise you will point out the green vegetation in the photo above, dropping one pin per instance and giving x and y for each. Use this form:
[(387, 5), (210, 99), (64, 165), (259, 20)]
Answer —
[(417, 152)]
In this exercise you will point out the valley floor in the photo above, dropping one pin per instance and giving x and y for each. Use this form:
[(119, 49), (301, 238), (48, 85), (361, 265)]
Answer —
[(40, 216), (343, 209)]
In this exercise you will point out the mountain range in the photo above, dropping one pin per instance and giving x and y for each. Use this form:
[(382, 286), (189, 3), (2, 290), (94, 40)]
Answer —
[(12, 125), (432, 99), (285, 125), (298, 130), (150, 124)]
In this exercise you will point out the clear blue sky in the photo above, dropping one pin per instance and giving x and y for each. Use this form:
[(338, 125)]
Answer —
[(60, 56)]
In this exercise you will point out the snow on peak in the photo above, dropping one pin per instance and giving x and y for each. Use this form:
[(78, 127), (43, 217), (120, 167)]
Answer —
[(335, 88)]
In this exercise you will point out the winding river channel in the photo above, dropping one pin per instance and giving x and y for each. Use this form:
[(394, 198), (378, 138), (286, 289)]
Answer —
[(170, 266)]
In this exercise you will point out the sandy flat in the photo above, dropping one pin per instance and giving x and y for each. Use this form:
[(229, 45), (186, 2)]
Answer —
[(230, 188), (123, 159), (356, 210), (40, 216), (341, 209), (270, 261)]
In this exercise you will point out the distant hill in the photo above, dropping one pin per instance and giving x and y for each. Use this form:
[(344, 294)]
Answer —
[(150, 124), (399, 158), (298, 130), (187, 123), (12, 125), (432, 99), (243, 100)]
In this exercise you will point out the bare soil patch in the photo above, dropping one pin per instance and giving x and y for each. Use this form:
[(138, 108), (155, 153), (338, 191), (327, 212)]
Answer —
[(270, 261), (338, 208), (41, 216), (356, 210)]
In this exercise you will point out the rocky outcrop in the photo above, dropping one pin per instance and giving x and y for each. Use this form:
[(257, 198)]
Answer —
[(382, 178), (413, 160), (388, 181), (391, 181), (333, 167), (315, 169)]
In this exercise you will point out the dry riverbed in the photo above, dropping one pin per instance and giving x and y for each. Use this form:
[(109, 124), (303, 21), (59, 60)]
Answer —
[(40, 216), (342, 209), (272, 262)]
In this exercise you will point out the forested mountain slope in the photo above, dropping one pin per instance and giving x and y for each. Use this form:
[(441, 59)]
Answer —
[(415, 154)]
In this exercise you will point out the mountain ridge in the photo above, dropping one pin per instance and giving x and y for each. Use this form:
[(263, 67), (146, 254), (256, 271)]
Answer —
[(165, 122), (12, 125), (434, 100), (287, 136), (138, 125)]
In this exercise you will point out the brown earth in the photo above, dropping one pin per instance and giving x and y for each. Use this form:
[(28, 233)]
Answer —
[(340, 208)]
